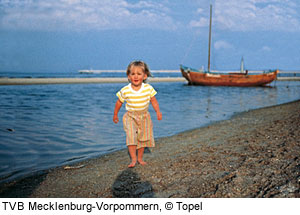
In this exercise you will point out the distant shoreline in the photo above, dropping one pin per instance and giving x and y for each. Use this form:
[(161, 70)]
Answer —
[(124, 71), (32, 81)]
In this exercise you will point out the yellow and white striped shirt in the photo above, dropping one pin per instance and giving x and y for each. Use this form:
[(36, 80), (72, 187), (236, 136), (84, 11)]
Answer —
[(136, 100)]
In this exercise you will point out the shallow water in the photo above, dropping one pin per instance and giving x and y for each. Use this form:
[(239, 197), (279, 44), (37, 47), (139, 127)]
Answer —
[(43, 126)]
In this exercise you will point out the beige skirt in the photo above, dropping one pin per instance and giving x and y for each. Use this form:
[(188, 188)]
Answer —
[(139, 129)]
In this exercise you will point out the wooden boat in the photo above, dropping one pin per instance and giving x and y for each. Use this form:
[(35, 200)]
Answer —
[(241, 79), (197, 77)]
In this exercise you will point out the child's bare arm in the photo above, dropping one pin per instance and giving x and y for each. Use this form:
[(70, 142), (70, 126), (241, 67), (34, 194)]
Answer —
[(156, 108), (116, 111)]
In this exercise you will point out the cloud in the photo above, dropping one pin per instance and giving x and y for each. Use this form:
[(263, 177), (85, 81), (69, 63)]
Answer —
[(266, 49), (221, 44), (253, 15), (80, 15), (202, 21)]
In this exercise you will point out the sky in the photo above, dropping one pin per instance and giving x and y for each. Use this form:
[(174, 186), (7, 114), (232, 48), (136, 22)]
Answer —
[(69, 35)]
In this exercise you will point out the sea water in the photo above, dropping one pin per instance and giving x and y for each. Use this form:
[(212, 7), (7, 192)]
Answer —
[(45, 126)]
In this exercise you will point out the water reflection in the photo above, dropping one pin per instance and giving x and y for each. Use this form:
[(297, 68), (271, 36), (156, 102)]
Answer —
[(56, 124)]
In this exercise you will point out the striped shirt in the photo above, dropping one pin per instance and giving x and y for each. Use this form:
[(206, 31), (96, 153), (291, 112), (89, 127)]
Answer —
[(136, 100)]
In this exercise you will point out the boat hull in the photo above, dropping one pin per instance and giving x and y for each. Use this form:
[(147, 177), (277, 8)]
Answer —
[(233, 79)]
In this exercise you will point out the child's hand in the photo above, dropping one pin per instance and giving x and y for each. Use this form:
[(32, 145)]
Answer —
[(116, 119), (116, 111), (159, 115)]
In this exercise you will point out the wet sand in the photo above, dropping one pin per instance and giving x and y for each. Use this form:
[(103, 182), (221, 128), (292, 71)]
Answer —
[(254, 154)]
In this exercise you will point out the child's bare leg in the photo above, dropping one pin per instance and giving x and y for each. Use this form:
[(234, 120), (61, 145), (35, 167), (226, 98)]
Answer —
[(140, 156), (132, 153)]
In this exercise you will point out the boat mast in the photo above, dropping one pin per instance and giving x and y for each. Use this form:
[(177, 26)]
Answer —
[(209, 43), (242, 65)]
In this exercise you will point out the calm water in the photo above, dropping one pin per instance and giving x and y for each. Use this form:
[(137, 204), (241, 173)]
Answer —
[(43, 126)]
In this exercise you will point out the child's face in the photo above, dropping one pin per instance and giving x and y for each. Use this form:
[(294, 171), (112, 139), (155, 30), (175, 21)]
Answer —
[(137, 76)]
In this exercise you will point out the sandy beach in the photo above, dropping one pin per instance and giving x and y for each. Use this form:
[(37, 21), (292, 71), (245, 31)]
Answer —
[(32, 81), (254, 154)]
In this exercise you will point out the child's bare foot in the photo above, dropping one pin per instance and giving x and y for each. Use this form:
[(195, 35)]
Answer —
[(132, 164), (142, 162)]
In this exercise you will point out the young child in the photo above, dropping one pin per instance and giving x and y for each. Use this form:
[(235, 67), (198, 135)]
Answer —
[(137, 121)]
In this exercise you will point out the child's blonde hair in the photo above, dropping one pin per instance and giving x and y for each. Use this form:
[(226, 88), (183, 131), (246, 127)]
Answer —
[(140, 64)]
